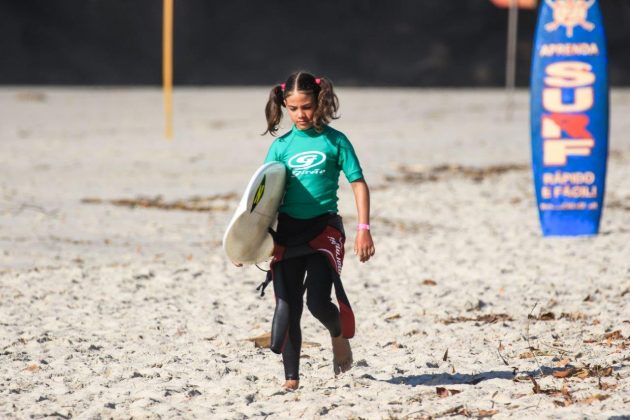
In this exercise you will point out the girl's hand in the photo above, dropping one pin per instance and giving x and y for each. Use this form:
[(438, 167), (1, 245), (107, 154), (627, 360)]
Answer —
[(364, 245)]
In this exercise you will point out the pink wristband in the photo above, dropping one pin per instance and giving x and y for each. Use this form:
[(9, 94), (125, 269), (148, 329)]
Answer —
[(363, 226)]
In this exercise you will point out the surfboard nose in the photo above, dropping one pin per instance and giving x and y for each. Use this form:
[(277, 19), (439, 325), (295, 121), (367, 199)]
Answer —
[(247, 239)]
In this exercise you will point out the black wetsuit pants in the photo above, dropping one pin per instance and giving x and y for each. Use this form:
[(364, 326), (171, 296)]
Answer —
[(318, 286)]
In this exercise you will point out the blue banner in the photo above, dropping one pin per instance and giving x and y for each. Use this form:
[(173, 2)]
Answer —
[(569, 116)]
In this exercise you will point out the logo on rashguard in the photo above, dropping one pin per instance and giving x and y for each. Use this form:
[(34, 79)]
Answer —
[(306, 160)]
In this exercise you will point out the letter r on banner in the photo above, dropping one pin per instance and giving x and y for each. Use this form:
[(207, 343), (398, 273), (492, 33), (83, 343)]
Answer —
[(573, 125)]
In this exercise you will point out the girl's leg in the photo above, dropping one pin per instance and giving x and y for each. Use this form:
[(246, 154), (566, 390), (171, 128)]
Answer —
[(319, 282), (293, 273)]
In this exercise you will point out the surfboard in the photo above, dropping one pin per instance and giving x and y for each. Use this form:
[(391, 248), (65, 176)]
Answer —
[(569, 116), (247, 239)]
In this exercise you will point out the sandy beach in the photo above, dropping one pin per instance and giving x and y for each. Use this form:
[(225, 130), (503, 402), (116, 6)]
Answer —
[(117, 301)]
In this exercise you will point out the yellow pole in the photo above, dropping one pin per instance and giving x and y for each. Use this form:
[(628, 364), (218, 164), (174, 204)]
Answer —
[(167, 67)]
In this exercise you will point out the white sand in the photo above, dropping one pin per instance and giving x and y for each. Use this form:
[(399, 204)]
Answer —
[(108, 311)]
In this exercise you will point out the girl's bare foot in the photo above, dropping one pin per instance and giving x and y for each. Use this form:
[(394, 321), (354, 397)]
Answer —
[(342, 355), (291, 384)]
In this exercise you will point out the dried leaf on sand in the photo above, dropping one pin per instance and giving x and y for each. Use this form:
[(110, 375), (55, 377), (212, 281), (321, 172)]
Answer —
[(416, 173), (547, 316), (262, 341), (594, 398), (219, 202), (392, 317), (443, 392), (584, 372), (487, 318)]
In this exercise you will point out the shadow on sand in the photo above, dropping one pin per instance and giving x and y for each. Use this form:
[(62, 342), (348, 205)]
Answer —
[(450, 379), (468, 379)]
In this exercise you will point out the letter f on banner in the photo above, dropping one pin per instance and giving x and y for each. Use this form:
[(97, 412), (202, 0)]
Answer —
[(555, 152)]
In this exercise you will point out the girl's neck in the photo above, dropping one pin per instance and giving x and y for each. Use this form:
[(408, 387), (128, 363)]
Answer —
[(307, 132)]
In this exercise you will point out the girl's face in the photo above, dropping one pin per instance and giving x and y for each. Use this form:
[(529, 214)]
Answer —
[(301, 108)]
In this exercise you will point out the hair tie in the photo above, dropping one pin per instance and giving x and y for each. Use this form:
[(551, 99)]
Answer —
[(282, 86), (318, 81)]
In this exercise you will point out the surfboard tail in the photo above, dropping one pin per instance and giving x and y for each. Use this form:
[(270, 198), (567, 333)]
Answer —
[(569, 117)]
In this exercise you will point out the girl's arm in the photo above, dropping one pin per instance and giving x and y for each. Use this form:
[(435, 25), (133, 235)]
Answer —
[(363, 244)]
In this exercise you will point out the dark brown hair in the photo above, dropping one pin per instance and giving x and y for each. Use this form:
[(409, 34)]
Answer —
[(326, 101)]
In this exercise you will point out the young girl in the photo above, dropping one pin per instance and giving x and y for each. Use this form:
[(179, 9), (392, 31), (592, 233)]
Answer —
[(309, 242)]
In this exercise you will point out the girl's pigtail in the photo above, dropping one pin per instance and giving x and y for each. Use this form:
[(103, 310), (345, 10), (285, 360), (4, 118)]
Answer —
[(327, 104), (273, 109)]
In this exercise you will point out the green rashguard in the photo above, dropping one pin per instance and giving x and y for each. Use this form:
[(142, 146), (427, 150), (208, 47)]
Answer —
[(313, 161)]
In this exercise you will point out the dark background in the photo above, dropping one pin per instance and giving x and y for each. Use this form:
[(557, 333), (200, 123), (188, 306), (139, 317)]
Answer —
[(256, 42)]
